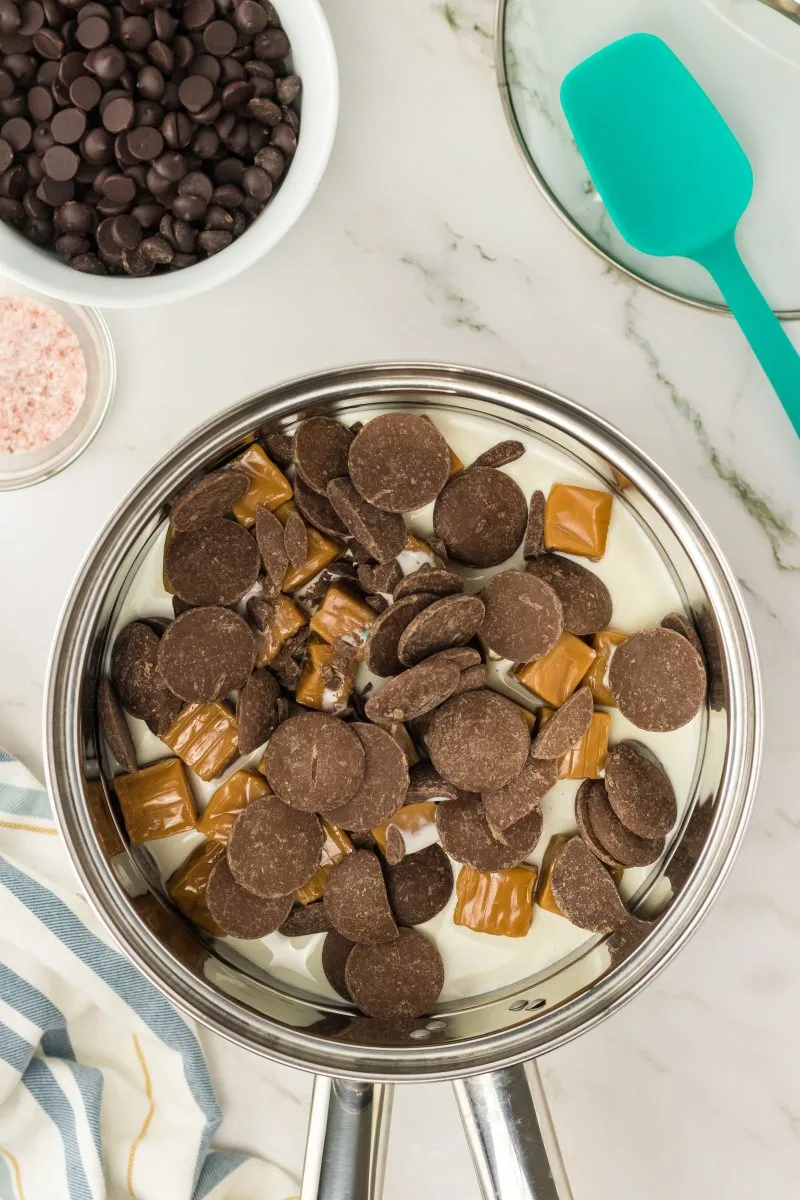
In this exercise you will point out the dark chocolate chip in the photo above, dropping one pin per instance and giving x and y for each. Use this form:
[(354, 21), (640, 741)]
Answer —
[(257, 710), (584, 597), (524, 617), (566, 727), (114, 726), (682, 625), (507, 805), (271, 545), (605, 834), (419, 886), (425, 783), (305, 919), (314, 762), (479, 741), (448, 622), (473, 679), (466, 835), (295, 539), (215, 565), (500, 454), (279, 445), (384, 786), (481, 516), (133, 667), (60, 163), (413, 693), (658, 680), (319, 449), (238, 912), (356, 899), (401, 979), (380, 649), (639, 791), (399, 462), (584, 890), (434, 580), (383, 534), (335, 953), (206, 653), (273, 849), (382, 578)]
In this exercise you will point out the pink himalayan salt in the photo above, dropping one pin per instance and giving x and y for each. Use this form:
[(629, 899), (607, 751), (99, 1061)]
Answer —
[(42, 375)]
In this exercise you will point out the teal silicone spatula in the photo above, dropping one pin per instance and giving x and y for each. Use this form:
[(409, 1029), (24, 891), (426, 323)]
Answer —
[(674, 180)]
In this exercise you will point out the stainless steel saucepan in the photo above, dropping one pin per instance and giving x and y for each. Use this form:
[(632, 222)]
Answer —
[(486, 1044)]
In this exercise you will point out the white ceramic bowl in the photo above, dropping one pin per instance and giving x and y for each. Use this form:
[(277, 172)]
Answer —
[(314, 60)]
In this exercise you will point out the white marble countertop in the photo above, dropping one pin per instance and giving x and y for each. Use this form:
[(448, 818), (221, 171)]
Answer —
[(428, 240)]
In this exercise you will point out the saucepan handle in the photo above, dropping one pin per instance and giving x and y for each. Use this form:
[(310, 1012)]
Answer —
[(511, 1137), (348, 1130)]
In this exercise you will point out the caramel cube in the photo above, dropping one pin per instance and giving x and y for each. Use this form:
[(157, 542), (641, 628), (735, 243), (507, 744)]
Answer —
[(269, 487), (456, 465), (334, 848), (205, 737), (605, 642), (587, 760), (556, 675), (102, 819), (342, 615), (322, 551), (287, 620), (576, 520), (156, 801), (404, 740), (544, 891), (496, 902), (187, 886), (415, 822), (320, 685), (228, 801), (423, 553)]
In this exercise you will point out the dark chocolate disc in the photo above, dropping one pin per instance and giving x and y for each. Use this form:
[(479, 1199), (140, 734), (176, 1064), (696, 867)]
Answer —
[(319, 450), (356, 900), (295, 539), (381, 579), (639, 791), (238, 912), (472, 679), (257, 710), (403, 978), (115, 726), (604, 833), (584, 890), (658, 680), (317, 510), (523, 618), (380, 649), (382, 534), (500, 454), (384, 786), (208, 499), (420, 885), (214, 565), (566, 727), (682, 625), (466, 836), (314, 762), (335, 953), (584, 597), (399, 462), (533, 542), (481, 517), (435, 580), (271, 545), (450, 621), (479, 741), (206, 653), (507, 805), (133, 667), (425, 783), (305, 919), (413, 693), (273, 849)]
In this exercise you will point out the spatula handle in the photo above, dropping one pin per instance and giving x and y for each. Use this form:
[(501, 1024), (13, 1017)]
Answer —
[(757, 321)]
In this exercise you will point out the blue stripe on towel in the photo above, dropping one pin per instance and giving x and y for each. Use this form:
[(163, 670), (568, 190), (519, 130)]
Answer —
[(48, 1092), (14, 1049), (218, 1166), (24, 802)]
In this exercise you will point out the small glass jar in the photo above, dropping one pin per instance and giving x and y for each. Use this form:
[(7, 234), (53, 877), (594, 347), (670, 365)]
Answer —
[(24, 469)]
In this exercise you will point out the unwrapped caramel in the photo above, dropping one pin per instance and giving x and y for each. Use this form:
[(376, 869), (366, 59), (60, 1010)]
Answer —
[(404, 740), (204, 736), (287, 620), (456, 465), (587, 760), (269, 487), (156, 801), (342, 615), (544, 891), (556, 675), (496, 902), (228, 801), (605, 642), (187, 886), (327, 678), (334, 848), (322, 551), (576, 520), (416, 826)]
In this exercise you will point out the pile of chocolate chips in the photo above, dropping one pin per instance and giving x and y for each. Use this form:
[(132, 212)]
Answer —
[(320, 839), (143, 135)]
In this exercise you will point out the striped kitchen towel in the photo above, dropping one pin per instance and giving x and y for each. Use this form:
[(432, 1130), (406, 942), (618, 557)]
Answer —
[(104, 1091)]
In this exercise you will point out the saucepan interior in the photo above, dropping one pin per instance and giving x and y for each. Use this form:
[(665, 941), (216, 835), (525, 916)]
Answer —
[(533, 1014)]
